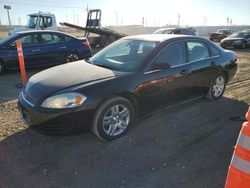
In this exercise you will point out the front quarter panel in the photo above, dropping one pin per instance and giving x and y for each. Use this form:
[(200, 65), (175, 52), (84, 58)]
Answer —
[(96, 92)]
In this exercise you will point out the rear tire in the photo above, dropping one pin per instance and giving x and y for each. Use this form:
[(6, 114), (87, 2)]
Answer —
[(2, 68), (217, 87), (113, 118), (71, 57)]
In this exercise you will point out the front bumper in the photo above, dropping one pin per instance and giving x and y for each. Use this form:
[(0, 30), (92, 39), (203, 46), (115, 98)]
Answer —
[(54, 120), (230, 44)]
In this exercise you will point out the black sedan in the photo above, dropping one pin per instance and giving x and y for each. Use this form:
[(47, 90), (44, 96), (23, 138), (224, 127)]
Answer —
[(131, 76), (237, 40), (42, 48)]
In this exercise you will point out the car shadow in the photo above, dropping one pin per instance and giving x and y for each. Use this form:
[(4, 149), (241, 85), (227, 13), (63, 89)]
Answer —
[(171, 146)]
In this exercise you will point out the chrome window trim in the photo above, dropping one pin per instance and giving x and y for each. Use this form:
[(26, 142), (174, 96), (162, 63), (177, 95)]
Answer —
[(26, 100), (149, 72)]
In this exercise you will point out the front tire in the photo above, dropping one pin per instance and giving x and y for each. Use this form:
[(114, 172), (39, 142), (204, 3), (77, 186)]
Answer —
[(217, 87), (113, 118)]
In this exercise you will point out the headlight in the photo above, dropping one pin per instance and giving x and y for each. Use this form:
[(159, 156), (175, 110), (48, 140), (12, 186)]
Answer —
[(66, 100)]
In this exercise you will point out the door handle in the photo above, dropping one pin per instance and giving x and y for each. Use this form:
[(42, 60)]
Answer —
[(36, 50), (62, 47), (184, 72)]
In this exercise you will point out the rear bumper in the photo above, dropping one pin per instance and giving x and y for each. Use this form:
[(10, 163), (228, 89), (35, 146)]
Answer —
[(54, 121)]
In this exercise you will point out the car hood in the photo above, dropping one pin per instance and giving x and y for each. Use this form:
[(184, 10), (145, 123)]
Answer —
[(61, 77)]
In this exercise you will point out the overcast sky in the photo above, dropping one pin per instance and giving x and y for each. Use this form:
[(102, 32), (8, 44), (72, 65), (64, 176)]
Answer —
[(128, 12)]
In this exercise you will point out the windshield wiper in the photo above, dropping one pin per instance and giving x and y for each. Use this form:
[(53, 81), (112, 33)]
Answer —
[(104, 66)]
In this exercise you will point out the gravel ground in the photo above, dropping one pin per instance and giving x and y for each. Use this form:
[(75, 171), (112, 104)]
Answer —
[(187, 145)]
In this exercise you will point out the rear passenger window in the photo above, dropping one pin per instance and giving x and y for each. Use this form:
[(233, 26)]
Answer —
[(214, 51), (47, 37), (197, 51), (58, 39), (172, 54)]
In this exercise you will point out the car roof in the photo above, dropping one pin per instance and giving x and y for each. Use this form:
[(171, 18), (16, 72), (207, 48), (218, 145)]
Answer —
[(159, 37), (43, 31), (169, 28), (38, 31)]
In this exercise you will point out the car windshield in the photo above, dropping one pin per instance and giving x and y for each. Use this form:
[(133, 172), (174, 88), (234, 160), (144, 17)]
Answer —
[(125, 55), (32, 21), (239, 35), (163, 31)]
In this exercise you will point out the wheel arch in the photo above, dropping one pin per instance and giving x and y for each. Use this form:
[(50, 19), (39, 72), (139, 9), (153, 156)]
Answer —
[(73, 51), (132, 98), (226, 75)]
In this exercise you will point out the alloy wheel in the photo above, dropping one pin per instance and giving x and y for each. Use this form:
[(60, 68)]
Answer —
[(218, 86), (116, 120), (72, 57)]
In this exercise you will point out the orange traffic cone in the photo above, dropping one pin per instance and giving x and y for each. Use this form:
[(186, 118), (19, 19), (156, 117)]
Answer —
[(239, 170)]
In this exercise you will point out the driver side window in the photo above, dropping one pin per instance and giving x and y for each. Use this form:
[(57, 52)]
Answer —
[(26, 41), (173, 54)]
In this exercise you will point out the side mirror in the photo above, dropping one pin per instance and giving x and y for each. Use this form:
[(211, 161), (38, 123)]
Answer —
[(12, 45), (161, 66)]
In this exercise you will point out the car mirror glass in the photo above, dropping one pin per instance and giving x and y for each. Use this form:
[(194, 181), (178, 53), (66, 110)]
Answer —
[(12, 45)]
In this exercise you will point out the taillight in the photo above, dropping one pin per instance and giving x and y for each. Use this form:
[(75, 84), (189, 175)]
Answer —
[(86, 43)]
